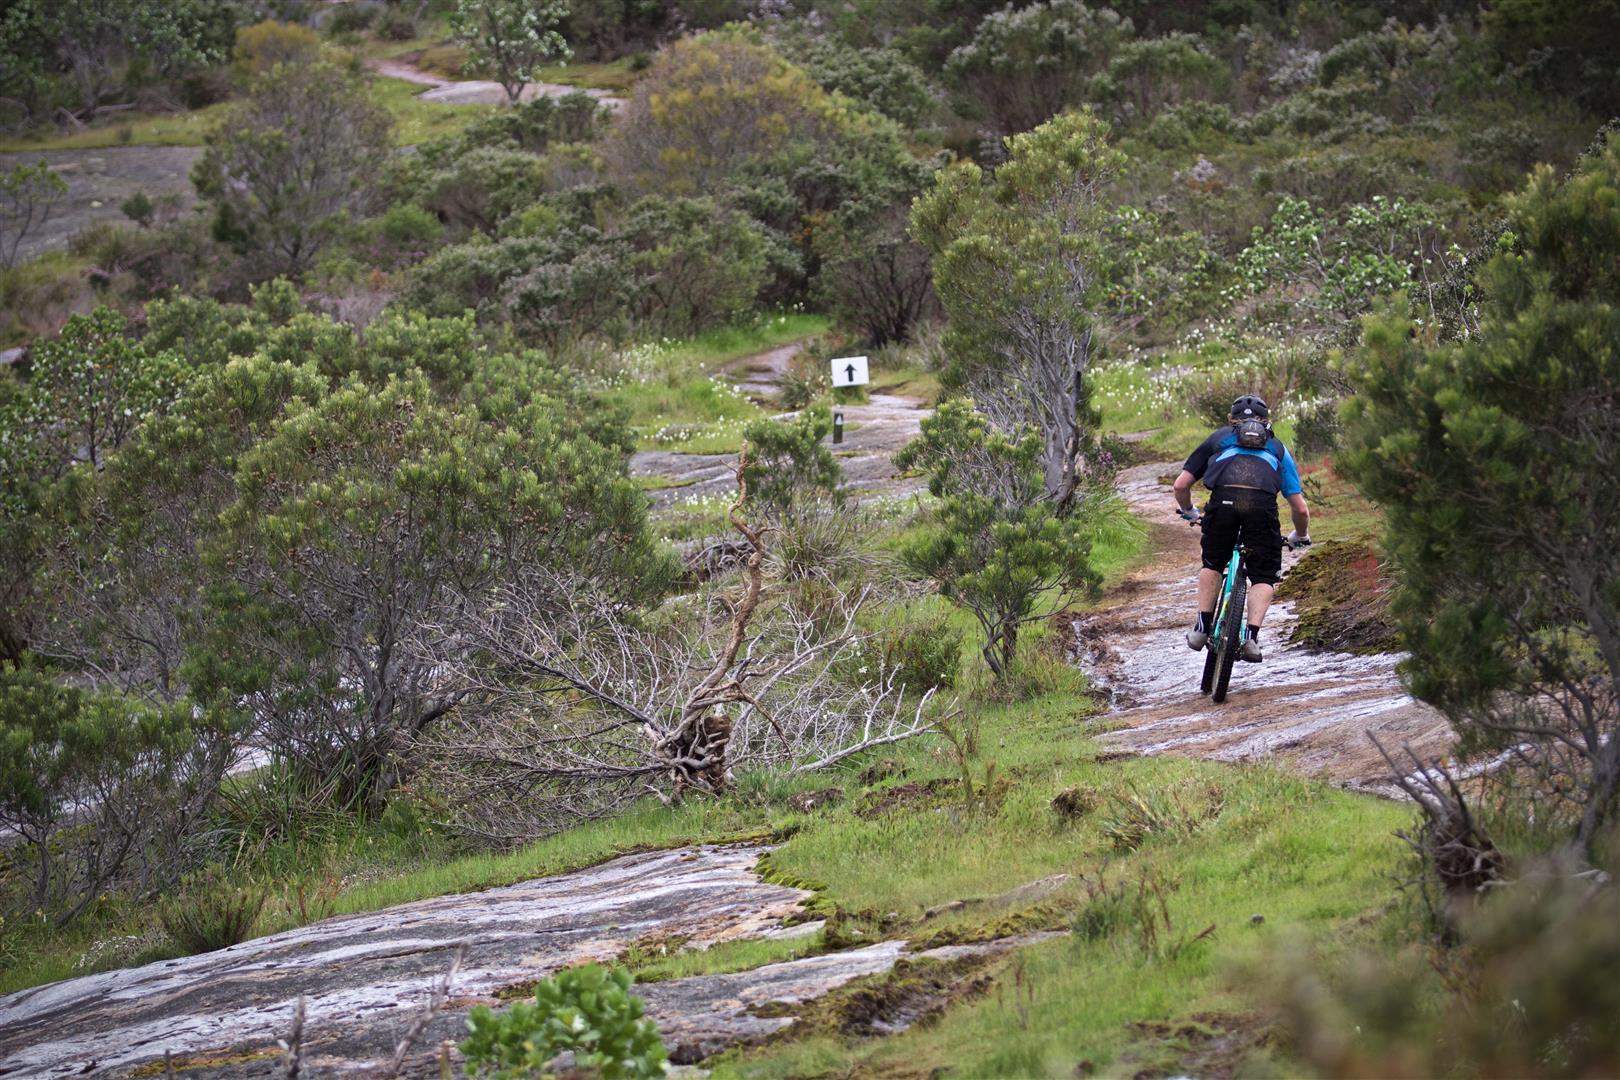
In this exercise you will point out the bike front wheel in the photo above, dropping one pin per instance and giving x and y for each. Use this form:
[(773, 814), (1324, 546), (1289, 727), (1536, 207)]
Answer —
[(1231, 635)]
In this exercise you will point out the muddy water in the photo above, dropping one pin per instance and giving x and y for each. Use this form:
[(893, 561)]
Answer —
[(1310, 710)]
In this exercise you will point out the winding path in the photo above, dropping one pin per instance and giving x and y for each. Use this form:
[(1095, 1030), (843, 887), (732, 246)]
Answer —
[(1308, 709), (874, 432), (446, 91)]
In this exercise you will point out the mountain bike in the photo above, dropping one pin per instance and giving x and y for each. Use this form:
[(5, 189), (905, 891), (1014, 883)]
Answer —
[(1226, 631)]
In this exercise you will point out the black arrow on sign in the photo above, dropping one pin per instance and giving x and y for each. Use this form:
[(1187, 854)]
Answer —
[(849, 372)]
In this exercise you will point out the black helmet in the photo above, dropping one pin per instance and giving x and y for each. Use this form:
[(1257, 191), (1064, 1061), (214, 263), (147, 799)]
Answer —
[(1250, 405)]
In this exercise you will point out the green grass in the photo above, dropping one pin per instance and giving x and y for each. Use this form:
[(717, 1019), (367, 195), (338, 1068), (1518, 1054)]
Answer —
[(907, 382), (1338, 510), (728, 343), (1310, 859), (1146, 396), (125, 129), (652, 965), (415, 121), (616, 76), (675, 398)]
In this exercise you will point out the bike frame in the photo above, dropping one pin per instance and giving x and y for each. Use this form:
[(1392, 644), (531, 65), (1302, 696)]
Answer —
[(1222, 602)]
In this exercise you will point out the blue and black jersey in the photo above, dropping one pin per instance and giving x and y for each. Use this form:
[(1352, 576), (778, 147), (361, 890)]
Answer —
[(1220, 462)]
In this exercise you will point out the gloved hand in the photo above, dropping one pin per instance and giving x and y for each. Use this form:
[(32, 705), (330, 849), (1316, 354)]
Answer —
[(1190, 514), (1294, 540)]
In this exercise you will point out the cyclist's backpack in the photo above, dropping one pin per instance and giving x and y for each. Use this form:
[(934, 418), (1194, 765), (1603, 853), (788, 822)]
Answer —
[(1252, 434)]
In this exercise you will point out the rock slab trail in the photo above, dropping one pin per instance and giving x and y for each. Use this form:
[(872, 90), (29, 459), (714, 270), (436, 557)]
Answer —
[(366, 978), (1310, 710), (447, 91), (98, 181), (873, 434)]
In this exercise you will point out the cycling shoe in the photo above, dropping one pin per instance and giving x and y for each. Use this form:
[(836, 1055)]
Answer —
[(1196, 639), (1250, 651)]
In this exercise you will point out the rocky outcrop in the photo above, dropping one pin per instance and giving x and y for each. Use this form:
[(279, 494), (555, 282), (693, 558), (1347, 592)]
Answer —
[(365, 977), (365, 980)]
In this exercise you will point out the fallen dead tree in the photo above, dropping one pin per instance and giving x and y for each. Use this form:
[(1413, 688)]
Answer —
[(1457, 859), (566, 716)]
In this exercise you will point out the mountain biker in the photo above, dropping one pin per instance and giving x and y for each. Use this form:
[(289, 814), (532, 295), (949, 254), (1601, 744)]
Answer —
[(1245, 467)]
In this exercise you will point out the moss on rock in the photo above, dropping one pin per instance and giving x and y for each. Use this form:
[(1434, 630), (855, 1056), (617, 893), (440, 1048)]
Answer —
[(1341, 592)]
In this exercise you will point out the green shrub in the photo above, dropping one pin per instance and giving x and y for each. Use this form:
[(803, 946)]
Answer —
[(262, 46), (1497, 157), (881, 78), (403, 234), (697, 264), (27, 195), (1025, 63), (742, 106), (805, 380), (787, 461), (138, 208), (211, 913), (478, 187), (100, 790), (588, 1011), (923, 655), (1189, 123), (1134, 815), (1537, 992), (110, 245), (534, 125), (1481, 450), (471, 275), (288, 164), (396, 26), (1107, 911), (820, 538), (349, 19), (1318, 429), (997, 548)]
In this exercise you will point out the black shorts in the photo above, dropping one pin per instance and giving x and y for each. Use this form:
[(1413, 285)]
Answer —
[(1234, 512)]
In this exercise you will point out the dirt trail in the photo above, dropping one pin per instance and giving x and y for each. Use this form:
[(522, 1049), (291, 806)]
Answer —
[(447, 91), (1312, 710), (365, 978), (872, 434)]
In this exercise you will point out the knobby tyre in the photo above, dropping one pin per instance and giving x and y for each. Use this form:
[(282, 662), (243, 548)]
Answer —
[(1232, 633), (1211, 659)]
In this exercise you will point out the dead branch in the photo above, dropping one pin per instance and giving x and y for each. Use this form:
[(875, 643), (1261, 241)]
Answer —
[(1451, 845), (435, 1001), (568, 714), (292, 1047)]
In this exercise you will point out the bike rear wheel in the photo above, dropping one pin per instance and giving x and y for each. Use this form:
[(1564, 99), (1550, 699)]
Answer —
[(1211, 659), (1231, 634)]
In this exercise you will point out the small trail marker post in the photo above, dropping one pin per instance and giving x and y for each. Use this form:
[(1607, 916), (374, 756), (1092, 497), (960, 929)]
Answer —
[(850, 371), (838, 427)]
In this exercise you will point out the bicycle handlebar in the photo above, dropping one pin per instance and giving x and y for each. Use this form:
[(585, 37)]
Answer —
[(1302, 542)]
